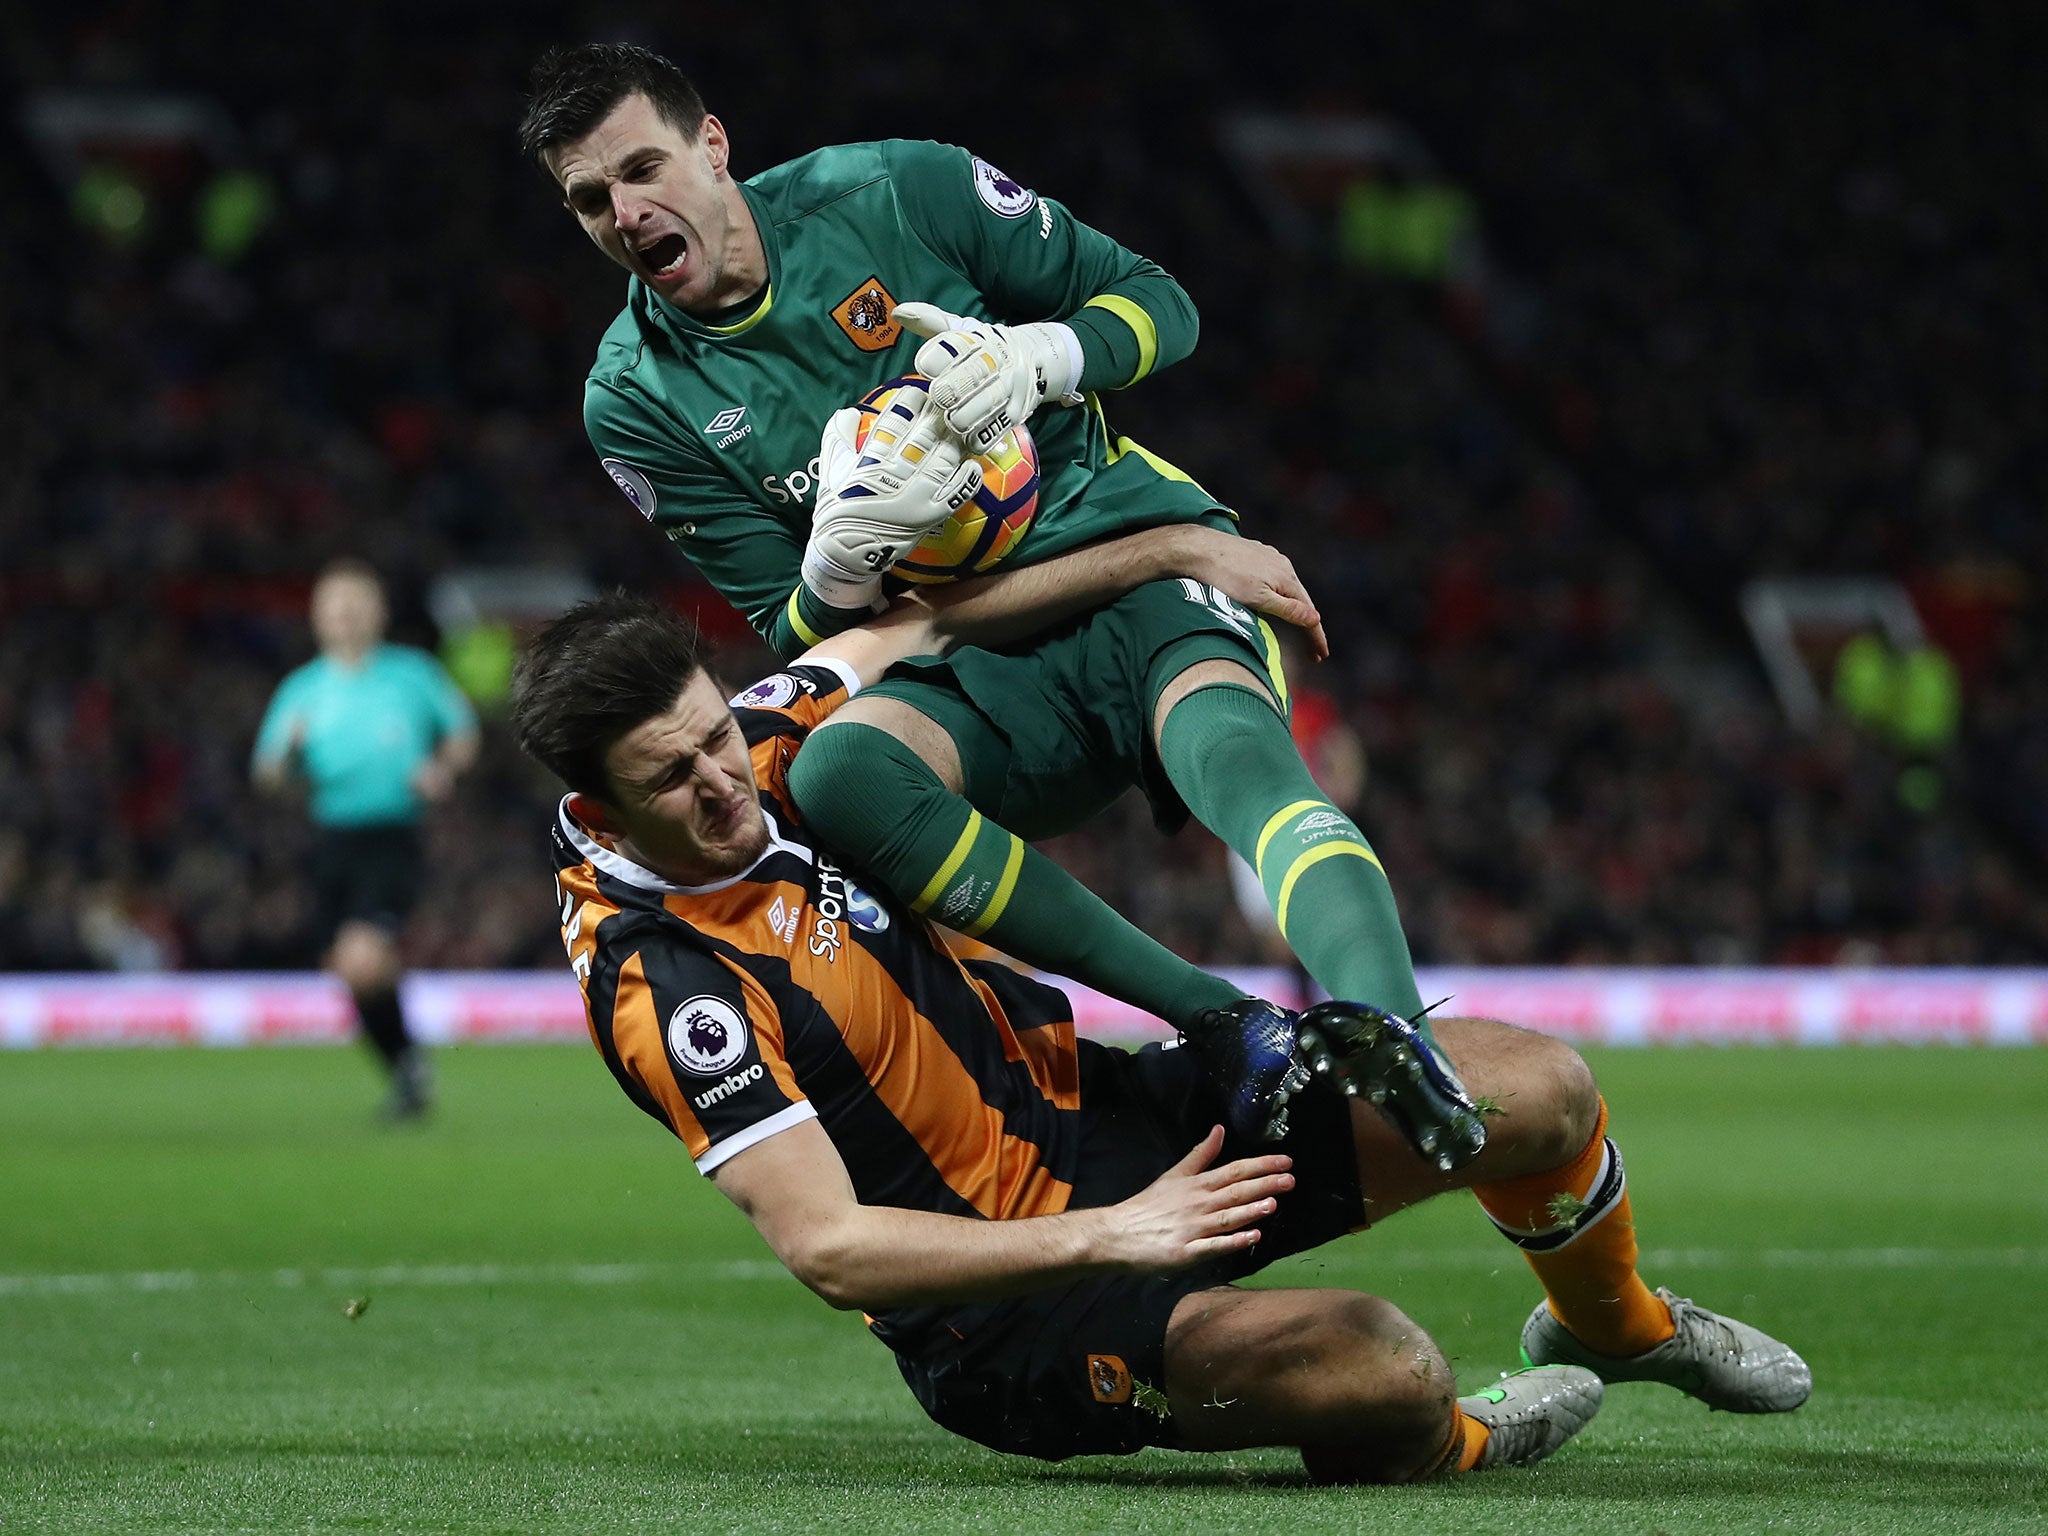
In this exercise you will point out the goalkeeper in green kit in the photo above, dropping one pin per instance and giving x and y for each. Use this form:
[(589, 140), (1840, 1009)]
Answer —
[(757, 312)]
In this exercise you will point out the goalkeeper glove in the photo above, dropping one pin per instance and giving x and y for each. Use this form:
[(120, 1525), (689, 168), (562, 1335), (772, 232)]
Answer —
[(989, 378), (876, 500)]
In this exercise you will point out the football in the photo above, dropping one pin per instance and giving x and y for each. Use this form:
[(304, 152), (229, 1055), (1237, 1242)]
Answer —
[(982, 533)]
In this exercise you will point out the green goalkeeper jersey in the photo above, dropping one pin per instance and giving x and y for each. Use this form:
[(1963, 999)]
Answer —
[(710, 425)]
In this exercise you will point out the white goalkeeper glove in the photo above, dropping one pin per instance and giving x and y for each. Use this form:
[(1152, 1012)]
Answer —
[(877, 500), (989, 378)]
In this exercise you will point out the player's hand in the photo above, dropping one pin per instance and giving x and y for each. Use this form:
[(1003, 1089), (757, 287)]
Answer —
[(877, 500), (1193, 1212), (1255, 574), (989, 378), (433, 780)]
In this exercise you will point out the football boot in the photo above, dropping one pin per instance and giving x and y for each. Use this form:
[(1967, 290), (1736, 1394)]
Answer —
[(1387, 1061), (1724, 1363), (1528, 1414), (1250, 1051)]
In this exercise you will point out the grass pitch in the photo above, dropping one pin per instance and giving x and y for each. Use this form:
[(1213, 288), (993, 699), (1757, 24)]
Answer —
[(229, 1300)]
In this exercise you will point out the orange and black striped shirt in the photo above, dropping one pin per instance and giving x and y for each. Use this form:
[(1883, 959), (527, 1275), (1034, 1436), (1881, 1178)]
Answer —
[(733, 1011)]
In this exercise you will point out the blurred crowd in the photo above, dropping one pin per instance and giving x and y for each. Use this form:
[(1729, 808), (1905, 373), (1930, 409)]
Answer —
[(1755, 297)]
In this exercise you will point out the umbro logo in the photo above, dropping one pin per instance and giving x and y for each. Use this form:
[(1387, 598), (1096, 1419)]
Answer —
[(725, 428), (783, 919), (964, 898)]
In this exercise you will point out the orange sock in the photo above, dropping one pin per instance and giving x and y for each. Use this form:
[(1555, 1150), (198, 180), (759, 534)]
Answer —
[(1461, 1449), (1476, 1436), (1574, 1226)]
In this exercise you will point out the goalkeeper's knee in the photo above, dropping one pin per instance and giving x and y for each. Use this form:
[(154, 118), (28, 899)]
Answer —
[(865, 794)]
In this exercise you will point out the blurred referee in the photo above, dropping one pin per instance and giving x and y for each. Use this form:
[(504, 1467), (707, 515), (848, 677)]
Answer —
[(379, 732)]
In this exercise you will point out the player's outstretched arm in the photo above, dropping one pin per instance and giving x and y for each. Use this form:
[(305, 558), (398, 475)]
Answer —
[(795, 1190), (991, 610), (1009, 605)]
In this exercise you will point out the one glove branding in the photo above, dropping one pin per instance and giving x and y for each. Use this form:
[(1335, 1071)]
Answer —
[(1009, 198), (864, 315)]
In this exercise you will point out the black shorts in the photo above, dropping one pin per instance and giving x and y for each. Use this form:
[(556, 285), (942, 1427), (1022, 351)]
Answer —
[(1081, 1370), (366, 875)]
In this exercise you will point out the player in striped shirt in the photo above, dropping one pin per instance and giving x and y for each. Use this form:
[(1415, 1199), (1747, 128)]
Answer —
[(1044, 1230)]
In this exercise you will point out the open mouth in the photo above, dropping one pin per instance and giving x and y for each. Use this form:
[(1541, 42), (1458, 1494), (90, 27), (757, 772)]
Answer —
[(665, 257)]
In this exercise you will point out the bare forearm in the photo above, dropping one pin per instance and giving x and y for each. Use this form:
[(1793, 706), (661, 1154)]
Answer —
[(990, 610), (879, 1257), (795, 1190)]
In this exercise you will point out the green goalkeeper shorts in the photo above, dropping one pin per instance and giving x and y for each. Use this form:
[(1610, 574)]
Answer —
[(1051, 735)]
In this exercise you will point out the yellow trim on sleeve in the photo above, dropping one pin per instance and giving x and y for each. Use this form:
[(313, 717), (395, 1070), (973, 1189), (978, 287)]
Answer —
[(1171, 471), (1313, 857), (1004, 887), (804, 632), (952, 865), (1273, 826), (1141, 327), (760, 313), (1114, 448)]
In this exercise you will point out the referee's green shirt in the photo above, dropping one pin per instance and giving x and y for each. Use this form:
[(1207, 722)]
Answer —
[(362, 731)]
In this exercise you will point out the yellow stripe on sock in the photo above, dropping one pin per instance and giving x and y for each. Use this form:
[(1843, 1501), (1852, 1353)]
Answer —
[(804, 632), (1004, 887), (1273, 826), (952, 865), (1274, 670), (1141, 326), (1310, 859)]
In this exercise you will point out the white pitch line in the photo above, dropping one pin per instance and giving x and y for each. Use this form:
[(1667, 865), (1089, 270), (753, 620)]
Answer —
[(1724, 1258), (1384, 1261), (384, 1275)]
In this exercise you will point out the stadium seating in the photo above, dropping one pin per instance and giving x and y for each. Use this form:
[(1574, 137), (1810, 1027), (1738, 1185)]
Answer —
[(1528, 532)]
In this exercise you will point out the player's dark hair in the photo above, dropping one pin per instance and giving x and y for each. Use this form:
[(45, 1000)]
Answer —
[(572, 90), (593, 674)]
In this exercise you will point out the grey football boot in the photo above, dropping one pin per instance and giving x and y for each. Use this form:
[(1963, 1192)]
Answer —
[(1724, 1363), (1531, 1413)]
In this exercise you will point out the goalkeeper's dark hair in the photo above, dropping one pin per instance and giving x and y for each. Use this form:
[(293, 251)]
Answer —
[(595, 673), (572, 90)]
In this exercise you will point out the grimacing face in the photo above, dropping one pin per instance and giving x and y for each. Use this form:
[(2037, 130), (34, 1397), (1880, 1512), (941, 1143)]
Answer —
[(348, 612), (662, 205), (683, 800)]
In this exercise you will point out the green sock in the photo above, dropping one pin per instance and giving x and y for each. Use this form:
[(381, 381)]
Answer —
[(1231, 757), (869, 798)]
